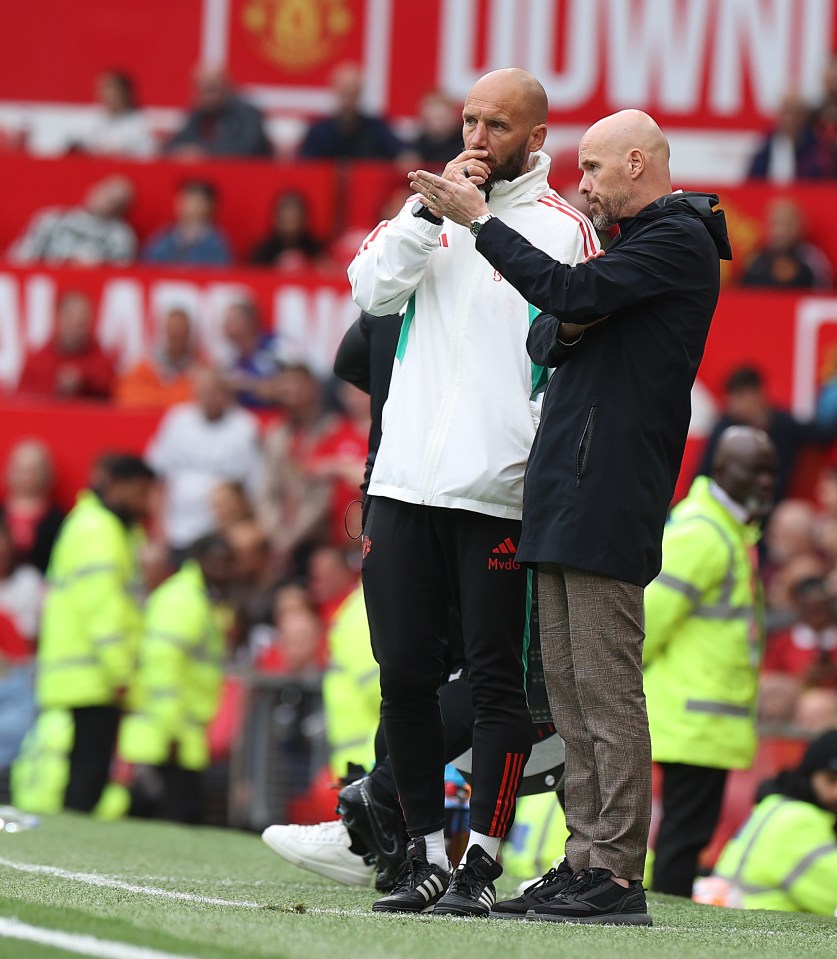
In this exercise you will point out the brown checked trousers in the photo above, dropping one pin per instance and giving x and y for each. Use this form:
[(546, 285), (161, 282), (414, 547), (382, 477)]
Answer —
[(591, 630)]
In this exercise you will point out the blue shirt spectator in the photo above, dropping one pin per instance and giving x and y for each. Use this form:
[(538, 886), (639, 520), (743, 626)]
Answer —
[(193, 238)]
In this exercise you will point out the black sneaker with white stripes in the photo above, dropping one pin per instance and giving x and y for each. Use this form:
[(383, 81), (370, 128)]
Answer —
[(471, 891), (419, 884)]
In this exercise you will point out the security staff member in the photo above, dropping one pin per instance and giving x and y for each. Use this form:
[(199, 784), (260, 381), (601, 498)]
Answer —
[(91, 621), (180, 677), (703, 648), (785, 855)]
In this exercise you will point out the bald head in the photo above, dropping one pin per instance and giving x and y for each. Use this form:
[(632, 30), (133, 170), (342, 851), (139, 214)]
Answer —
[(744, 466), (624, 159), (505, 116), (519, 91)]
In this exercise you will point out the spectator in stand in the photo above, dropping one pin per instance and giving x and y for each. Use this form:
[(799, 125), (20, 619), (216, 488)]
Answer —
[(166, 376), (747, 404), (230, 506), (341, 458), (221, 123), (787, 260), (292, 505), (800, 665), (72, 365), (254, 371), (121, 129), (29, 511), (825, 114), (290, 245), (193, 239), (791, 150), (196, 446), (92, 234), (21, 593), (440, 130), (349, 133), (297, 645), (257, 581), (330, 580)]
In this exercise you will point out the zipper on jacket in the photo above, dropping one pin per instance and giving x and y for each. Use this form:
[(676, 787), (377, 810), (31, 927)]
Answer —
[(583, 451)]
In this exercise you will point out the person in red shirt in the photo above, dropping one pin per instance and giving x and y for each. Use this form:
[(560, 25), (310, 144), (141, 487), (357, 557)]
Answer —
[(72, 364), (808, 650)]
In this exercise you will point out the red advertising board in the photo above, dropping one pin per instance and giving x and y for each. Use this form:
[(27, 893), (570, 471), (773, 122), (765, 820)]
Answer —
[(698, 63)]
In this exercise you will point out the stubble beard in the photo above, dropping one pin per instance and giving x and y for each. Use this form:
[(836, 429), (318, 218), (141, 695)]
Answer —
[(611, 211), (511, 168)]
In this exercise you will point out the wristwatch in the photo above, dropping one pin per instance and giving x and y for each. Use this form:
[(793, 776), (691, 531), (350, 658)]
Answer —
[(420, 210), (477, 224)]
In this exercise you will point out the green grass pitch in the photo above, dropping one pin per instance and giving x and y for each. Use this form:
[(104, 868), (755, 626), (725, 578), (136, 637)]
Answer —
[(107, 880)]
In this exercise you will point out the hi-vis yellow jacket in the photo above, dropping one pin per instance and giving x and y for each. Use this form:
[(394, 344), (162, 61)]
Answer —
[(784, 857), (704, 643), (91, 619), (180, 675), (351, 688)]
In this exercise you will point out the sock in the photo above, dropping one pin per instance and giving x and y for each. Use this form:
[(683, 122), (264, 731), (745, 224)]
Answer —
[(489, 844), (436, 852)]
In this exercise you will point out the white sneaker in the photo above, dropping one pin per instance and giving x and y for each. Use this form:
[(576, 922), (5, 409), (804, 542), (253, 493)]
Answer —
[(323, 849)]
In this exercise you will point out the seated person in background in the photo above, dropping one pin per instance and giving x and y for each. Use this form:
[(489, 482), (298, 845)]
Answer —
[(221, 123), (256, 581), (349, 133), (176, 689), (193, 239), (29, 511), (297, 647), (230, 506), (439, 138), (88, 235), (290, 243), (122, 129), (164, 377), (292, 506), (21, 594), (254, 369), (802, 660), (791, 150), (196, 446), (747, 404), (341, 458), (786, 260), (784, 857), (330, 580), (72, 365)]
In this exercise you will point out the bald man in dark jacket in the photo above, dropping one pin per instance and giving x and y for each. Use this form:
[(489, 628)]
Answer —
[(625, 333)]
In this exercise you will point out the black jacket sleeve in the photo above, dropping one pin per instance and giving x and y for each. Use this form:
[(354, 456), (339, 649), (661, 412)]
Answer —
[(352, 360), (649, 266)]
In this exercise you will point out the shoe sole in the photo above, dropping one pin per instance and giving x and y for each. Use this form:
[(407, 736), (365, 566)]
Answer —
[(335, 873), (459, 913), (615, 919), (395, 910), (519, 916)]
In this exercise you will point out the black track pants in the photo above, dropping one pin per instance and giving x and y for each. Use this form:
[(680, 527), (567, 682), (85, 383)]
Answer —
[(419, 561)]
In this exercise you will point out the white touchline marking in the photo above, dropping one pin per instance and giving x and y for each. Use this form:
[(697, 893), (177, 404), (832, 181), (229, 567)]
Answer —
[(82, 944), (94, 879), (109, 882)]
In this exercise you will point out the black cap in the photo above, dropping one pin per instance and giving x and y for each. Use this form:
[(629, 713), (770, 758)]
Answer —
[(821, 754)]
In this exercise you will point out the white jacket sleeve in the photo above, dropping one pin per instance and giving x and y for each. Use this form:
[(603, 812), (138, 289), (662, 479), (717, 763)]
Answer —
[(391, 262)]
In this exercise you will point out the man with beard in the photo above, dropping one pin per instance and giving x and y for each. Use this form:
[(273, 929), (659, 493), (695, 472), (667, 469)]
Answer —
[(445, 496), (703, 648), (625, 333), (91, 621)]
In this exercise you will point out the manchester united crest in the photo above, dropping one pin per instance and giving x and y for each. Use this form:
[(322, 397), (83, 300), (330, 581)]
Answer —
[(298, 34)]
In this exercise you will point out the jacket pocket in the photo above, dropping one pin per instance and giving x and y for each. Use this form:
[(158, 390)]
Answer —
[(583, 451)]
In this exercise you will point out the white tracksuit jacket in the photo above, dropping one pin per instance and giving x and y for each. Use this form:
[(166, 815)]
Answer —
[(460, 418)]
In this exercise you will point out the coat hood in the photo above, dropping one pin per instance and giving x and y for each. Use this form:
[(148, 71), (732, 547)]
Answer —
[(698, 205)]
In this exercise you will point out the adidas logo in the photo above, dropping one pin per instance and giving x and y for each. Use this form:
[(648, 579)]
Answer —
[(506, 548), (487, 897), (431, 887)]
